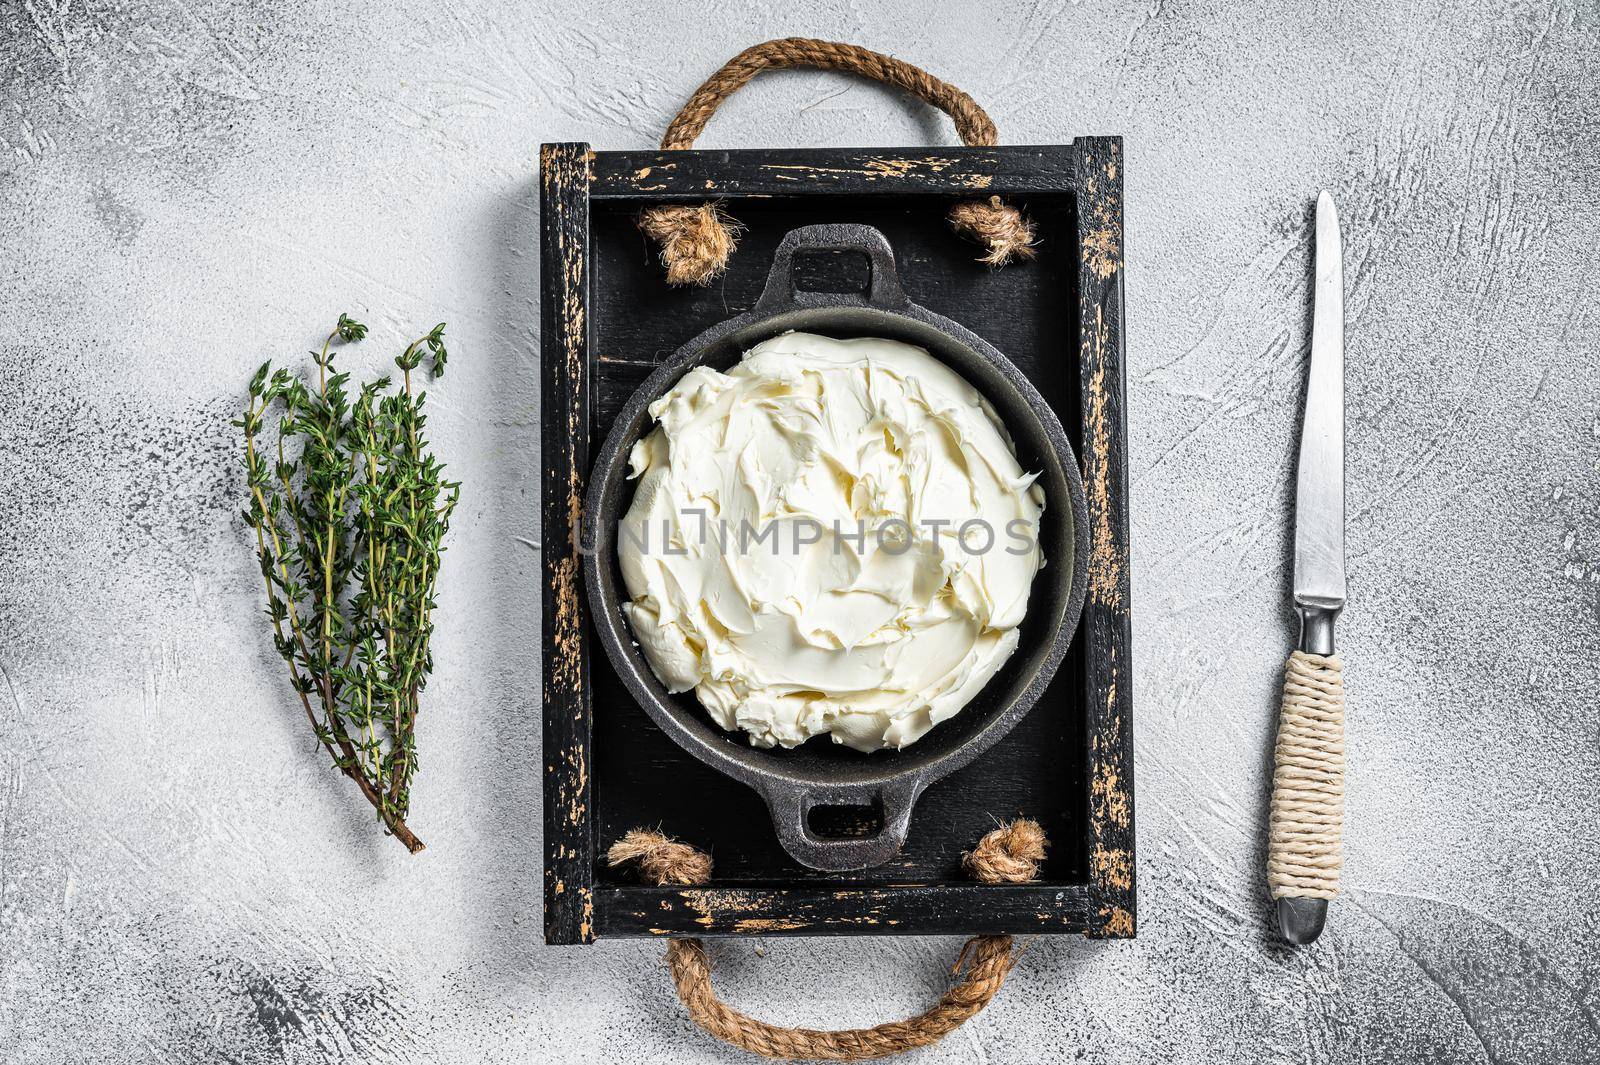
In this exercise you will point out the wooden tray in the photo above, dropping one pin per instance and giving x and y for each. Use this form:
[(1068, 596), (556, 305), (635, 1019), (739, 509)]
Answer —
[(609, 318)]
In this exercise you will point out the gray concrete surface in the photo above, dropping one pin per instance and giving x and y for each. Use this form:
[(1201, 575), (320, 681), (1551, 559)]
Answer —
[(188, 188)]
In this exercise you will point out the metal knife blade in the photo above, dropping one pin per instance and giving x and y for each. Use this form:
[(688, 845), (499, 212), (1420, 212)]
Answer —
[(1319, 584)]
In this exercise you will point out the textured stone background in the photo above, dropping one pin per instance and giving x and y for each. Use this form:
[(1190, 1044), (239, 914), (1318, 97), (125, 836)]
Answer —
[(188, 188)]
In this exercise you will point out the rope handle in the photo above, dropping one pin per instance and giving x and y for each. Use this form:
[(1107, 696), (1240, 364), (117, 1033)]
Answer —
[(1009, 855), (972, 122), (1307, 815), (696, 240)]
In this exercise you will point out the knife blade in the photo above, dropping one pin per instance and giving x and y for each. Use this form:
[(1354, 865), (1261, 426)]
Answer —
[(1319, 583), (1308, 779)]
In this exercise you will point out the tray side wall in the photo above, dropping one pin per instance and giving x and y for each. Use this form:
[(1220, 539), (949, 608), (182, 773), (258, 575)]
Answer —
[(569, 839), (1107, 621)]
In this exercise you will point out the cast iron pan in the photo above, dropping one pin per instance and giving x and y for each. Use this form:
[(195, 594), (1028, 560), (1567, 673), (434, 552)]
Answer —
[(822, 773)]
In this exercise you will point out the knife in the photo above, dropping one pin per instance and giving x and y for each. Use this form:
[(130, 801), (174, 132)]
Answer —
[(1307, 814)]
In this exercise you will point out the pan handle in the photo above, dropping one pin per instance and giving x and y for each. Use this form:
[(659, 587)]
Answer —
[(883, 290), (791, 804)]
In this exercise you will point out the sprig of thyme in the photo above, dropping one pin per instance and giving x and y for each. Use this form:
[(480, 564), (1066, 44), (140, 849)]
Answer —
[(349, 511)]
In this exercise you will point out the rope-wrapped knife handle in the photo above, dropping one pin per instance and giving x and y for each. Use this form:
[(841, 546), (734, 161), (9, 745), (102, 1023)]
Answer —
[(1303, 851)]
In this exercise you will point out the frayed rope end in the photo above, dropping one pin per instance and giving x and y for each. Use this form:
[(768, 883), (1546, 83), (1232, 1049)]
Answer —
[(1009, 855), (995, 225), (695, 240), (662, 859)]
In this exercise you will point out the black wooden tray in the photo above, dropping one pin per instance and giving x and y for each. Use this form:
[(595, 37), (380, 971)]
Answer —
[(609, 318)]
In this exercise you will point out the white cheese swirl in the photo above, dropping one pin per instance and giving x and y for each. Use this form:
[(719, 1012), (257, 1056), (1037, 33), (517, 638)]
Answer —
[(834, 536)]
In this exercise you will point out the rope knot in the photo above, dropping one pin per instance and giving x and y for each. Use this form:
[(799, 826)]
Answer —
[(1009, 855), (997, 226), (662, 859), (695, 241)]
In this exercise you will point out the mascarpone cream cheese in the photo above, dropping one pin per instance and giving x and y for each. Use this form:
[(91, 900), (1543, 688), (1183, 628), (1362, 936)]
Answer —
[(832, 536)]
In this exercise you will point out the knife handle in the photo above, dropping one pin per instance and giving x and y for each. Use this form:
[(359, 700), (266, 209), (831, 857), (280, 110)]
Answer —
[(1307, 813)]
